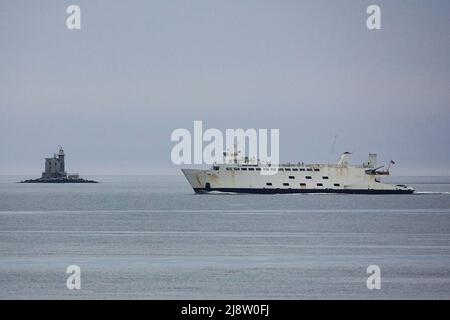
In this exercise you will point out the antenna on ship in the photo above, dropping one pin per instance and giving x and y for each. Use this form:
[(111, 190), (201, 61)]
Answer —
[(332, 148)]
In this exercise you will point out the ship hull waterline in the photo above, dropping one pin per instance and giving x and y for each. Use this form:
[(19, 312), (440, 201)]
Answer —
[(299, 191)]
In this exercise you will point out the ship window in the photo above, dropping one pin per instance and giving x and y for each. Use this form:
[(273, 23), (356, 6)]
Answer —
[(268, 183), (215, 168), (308, 177), (285, 184), (302, 169), (320, 184), (280, 169), (337, 185), (244, 169), (228, 169), (258, 169), (316, 169), (287, 169), (251, 169), (302, 184), (309, 169), (325, 178), (295, 169), (291, 177), (236, 169)]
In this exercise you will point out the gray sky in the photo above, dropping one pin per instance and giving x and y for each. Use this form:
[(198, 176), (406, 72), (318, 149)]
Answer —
[(112, 92)]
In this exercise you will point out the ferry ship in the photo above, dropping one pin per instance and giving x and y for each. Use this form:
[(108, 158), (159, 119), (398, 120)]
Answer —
[(239, 175)]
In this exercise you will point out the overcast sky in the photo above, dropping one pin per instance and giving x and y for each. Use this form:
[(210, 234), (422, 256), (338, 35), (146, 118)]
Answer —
[(112, 92)]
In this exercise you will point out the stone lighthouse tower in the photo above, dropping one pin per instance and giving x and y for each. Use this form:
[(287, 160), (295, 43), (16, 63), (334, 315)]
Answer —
[(61, 157)]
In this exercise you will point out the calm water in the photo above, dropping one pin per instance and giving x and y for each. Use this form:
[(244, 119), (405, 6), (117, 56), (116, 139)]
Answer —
[(151, 237)]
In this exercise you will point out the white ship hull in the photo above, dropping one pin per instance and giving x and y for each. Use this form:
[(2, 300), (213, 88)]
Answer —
[(204, 181)]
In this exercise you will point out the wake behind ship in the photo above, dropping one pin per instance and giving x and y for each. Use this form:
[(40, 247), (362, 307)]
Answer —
[(239, 175)]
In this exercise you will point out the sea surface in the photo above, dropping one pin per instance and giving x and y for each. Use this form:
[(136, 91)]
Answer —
[(152, 238)]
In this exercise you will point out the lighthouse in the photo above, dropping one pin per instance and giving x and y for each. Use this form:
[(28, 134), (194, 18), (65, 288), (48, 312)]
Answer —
[(55, 171)]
